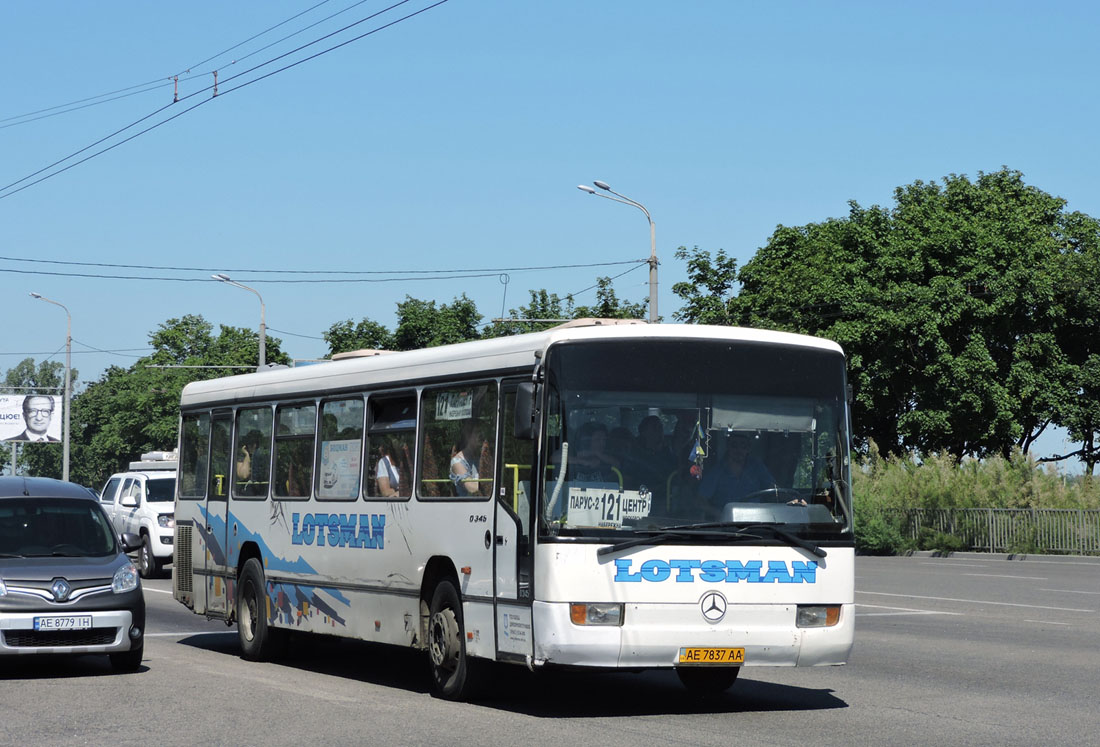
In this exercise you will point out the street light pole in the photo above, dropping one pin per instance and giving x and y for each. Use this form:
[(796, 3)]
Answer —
[(68, 382), (263, 326), (652, 238)]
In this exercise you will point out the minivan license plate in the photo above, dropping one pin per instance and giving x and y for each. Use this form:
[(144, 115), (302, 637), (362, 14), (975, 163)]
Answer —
[(69, 622)]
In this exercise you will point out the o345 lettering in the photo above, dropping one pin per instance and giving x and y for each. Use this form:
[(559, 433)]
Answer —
[(478, 518)]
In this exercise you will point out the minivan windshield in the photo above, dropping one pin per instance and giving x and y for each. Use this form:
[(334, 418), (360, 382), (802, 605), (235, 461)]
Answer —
[(160, 489), (687, 435), (43, 527)]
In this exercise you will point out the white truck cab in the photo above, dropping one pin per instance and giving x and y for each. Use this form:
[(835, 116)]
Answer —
[(142, 501)]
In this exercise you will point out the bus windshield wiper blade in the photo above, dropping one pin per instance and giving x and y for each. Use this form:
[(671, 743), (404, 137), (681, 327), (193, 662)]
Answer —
[(789, 537), (654, 536), (744, 529)]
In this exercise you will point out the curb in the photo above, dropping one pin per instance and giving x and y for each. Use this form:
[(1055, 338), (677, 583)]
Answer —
[(1033, 558)]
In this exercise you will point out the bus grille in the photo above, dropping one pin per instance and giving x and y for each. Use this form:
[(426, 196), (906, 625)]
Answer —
[(31, 638), (182, 576)]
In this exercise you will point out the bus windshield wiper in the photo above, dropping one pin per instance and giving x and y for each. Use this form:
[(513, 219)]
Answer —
[(744, 530), (653, 536)]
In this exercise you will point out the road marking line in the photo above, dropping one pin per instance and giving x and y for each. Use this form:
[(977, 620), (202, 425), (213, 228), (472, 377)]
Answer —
[(973, 601), (159, 591), (955, 565), (999, 575), (181, 635), (1045, 622), (902, 611), (1070, 591)]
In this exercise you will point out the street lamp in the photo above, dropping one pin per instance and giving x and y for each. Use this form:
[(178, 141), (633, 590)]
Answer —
[(68, 381), (263, 326), (652, 238)]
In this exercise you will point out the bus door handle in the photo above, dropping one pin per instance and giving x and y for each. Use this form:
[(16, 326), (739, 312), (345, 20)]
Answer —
[(500, 540)]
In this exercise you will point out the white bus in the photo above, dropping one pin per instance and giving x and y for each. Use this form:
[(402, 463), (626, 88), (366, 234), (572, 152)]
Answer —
[(593, 496)]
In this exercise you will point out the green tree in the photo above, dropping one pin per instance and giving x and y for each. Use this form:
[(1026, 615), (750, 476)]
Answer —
[(423, 324), (956, 307), (364, 335), (607, 306), (133, 410), (708, 293)]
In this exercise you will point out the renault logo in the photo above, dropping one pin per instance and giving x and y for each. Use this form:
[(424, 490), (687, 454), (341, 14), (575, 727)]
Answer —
[(713, 606), (60, 589)]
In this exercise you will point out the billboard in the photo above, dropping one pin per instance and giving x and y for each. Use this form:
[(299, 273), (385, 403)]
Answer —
[(30, 417)]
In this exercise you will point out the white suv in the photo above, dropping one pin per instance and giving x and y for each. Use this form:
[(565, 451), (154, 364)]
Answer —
[(142, 501)]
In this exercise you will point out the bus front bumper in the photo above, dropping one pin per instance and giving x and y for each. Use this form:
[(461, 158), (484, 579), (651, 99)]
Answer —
[(652, 635)]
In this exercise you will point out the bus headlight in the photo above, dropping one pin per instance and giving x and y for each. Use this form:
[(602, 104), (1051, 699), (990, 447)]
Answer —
[(596, 613), (817, 616), (3, 589)]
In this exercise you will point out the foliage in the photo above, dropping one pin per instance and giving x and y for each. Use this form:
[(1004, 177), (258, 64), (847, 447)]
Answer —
[(133, 410), (424, 324), (968, 311), (708, 291), (365, 335)]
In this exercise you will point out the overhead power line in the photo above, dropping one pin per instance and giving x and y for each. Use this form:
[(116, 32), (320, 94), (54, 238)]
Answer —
[(341, 271), (8, 191), (167, 80)]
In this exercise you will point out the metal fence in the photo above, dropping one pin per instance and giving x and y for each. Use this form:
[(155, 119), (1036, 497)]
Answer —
[(1034, 530)]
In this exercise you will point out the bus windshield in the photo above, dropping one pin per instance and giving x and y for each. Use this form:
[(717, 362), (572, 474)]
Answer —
[(655, 434)]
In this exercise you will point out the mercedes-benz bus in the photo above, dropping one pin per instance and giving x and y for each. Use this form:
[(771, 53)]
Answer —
[(595, 496)]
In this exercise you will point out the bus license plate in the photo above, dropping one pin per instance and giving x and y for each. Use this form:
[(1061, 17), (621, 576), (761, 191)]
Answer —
[(70, 622), (728, 656)]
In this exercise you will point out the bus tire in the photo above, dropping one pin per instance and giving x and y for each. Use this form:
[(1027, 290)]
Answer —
[(148, 567), (454, 675), (708, 680), (259, 641)]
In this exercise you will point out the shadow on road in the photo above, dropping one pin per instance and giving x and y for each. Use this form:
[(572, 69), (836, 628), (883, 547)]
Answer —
[(548, 693)]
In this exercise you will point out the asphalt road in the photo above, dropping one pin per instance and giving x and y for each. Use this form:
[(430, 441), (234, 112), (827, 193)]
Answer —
[(968, 650)]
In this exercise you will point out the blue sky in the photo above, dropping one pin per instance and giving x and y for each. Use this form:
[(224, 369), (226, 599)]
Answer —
[(455, 140)]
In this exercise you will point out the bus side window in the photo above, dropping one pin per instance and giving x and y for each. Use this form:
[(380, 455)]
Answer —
[(458, 441), (194, 445), (391, 436), (294, 438), (252, 465), (341, 449)]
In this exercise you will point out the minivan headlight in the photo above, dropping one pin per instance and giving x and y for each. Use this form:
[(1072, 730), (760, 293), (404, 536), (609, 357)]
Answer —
[(3, 589), (168, 521), (126, 579)]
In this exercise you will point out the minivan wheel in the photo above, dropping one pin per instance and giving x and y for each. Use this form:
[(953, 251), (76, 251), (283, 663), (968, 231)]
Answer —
[(127, 661)]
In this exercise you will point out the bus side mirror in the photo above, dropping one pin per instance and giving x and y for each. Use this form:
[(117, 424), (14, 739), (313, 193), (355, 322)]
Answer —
[(526, 397)]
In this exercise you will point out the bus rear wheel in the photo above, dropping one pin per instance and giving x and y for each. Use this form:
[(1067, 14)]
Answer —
[(259, 641), (708, 680), (454, 675)]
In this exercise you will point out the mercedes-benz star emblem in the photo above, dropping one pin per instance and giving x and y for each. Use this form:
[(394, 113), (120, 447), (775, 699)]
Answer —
[(713, 606), (60, 589)]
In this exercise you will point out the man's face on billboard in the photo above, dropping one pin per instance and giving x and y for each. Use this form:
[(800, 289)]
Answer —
[(38, 412)]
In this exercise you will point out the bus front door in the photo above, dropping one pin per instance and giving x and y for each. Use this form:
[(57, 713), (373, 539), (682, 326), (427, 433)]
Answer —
[(215, 531), (512, 525)]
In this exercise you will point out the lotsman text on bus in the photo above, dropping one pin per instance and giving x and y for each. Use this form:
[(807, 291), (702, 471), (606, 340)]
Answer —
[(340, 530), (717, 571)]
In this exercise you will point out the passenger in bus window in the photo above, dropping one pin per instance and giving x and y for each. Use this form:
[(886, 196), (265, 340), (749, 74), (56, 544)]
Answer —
[(651, 460), (467, 454), (737, 476), (386, 473), (593, 462)]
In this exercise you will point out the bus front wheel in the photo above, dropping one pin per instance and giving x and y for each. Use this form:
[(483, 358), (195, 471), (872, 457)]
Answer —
[(708, 680), (259, 641), (454, 675)]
